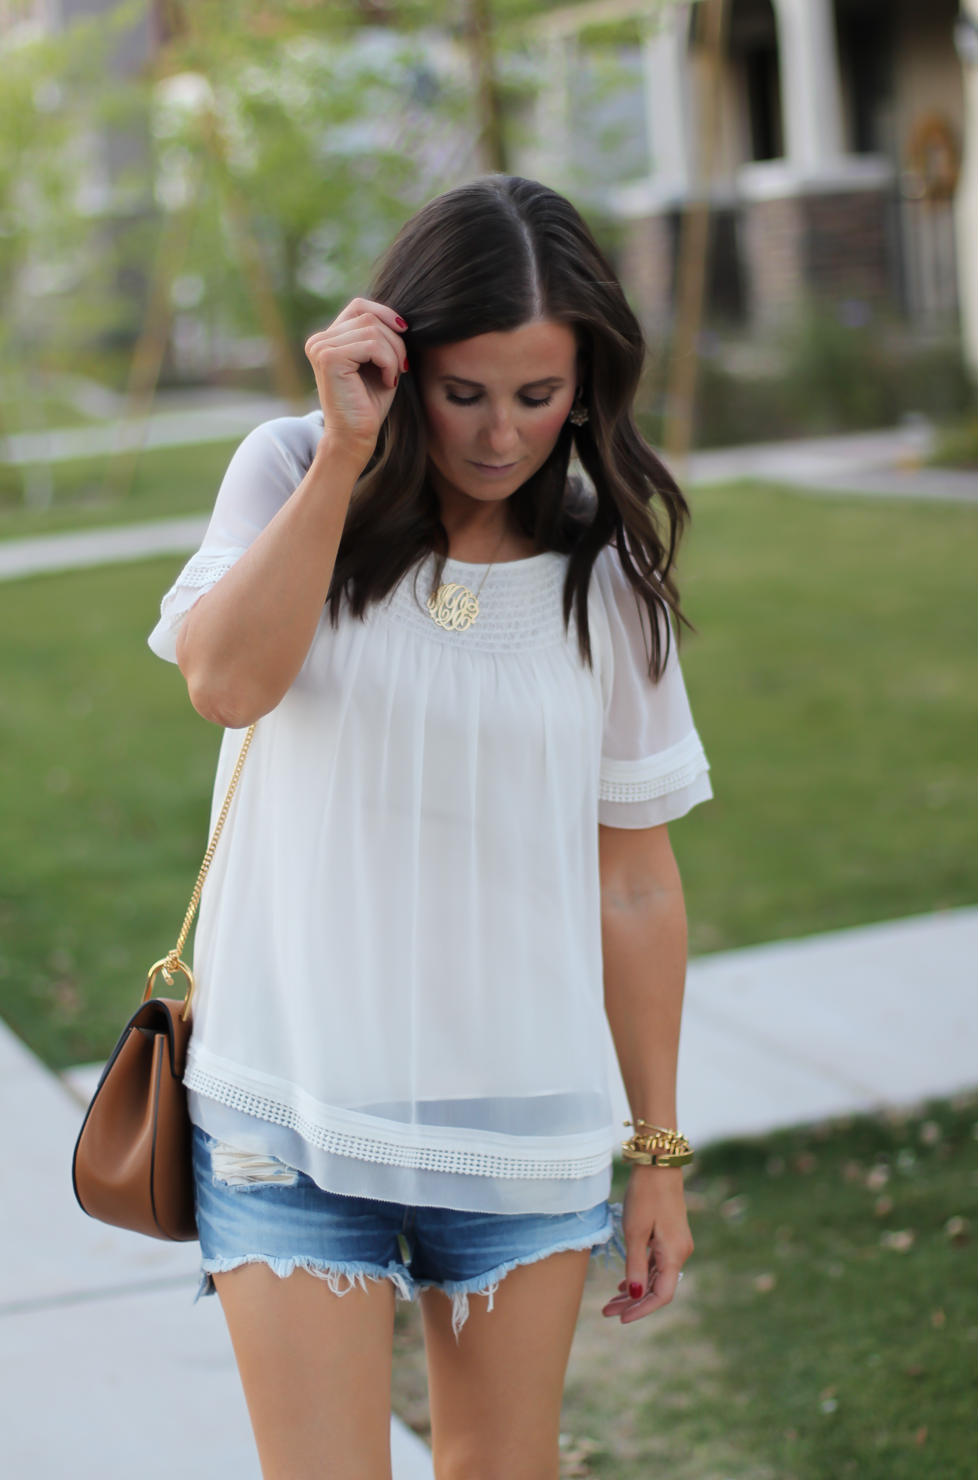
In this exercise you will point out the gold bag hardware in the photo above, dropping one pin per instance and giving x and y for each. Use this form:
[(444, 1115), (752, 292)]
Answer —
[(132, 1163)]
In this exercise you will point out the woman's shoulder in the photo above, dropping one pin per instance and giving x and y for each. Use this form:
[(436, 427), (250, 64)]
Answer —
[(266, 469), (294, 438)]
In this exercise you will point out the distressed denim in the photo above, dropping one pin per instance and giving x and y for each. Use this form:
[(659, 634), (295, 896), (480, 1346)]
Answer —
[(252, 1209)]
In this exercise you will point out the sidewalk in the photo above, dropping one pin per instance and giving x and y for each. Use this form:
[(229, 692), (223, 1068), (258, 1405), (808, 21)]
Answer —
[(797, 1031), (90, 547), (107, 1369), (187, 422), (886, 464), (102, 1354)]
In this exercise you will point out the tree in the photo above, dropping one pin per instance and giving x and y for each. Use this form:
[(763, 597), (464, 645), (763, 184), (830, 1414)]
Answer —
[(213, 206)]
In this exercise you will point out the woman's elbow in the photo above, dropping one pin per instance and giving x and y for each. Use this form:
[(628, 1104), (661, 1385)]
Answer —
[(217, 695), (219, 711), (222, 702)]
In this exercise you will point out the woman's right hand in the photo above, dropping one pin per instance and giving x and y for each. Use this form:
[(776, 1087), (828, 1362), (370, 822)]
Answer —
[(358, 361)]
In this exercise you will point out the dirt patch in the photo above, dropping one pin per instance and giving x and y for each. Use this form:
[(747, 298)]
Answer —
[(628, 1391), (631, 1391), (409, 1385)]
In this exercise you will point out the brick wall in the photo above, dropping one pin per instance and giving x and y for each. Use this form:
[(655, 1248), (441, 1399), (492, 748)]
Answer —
[(815, 248), (646, 268)]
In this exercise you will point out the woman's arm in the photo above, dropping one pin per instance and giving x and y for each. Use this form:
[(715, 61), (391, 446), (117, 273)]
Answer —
[(643, 925), (242, 645)]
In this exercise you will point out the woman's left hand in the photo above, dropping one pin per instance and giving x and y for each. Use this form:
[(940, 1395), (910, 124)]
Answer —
[(657, 1242)]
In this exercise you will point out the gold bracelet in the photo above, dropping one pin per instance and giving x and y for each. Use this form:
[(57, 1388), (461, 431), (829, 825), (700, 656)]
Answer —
[(656, 1146)]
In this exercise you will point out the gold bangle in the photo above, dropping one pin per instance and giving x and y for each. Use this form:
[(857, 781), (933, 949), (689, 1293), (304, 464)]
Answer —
[(656, 1146)]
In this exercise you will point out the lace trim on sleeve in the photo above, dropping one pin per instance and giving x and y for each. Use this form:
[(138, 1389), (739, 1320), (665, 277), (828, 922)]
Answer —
[(207, 572), (197, 576), (655, 775)]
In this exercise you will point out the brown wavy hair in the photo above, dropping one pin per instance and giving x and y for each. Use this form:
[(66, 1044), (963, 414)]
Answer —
[(491, 256)]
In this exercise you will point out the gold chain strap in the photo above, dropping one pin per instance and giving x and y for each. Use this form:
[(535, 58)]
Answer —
[(171, 962)]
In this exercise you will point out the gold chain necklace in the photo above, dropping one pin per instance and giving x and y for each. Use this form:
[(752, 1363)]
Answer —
[(455, 607)]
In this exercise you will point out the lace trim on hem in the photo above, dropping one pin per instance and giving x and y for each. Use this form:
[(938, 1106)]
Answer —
[(655, 775), (375, 1149)]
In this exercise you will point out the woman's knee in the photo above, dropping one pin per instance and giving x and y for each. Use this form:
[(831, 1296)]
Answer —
[(483, 1455)]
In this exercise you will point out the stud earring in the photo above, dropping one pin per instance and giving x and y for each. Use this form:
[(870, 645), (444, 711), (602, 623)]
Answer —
[(579, 414)]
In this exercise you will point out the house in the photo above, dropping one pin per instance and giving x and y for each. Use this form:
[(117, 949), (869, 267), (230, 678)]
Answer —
[(836, 175), (845, 169)]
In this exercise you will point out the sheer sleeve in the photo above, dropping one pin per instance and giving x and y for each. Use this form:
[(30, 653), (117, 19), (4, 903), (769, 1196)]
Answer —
[(266, 469), (653, 767)]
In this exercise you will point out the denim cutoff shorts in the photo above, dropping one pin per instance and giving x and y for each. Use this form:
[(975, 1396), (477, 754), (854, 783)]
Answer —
[(256, 1210)]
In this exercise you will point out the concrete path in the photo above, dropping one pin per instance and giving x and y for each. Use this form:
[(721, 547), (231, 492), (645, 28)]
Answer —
[(102, 1354), (887, 463), (797, 1031), (884, 464), (196, 418), (872, 463), (90, 547), (800, 1030), (108, 1371)]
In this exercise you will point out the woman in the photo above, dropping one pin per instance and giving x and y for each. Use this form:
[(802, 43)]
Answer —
[(461, 664)]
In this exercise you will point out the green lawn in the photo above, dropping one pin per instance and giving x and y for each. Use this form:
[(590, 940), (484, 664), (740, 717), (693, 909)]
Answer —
[(860, 1356), (834, 678), (829, 1324), (104, 795), (957, 445), (168, 482), (828, 1327)]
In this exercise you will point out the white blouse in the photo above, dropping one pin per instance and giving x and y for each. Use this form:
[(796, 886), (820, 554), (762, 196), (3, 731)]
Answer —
[(398, 956)]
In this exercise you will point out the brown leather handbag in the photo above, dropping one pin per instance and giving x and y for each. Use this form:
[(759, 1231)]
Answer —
[(132, 1164)]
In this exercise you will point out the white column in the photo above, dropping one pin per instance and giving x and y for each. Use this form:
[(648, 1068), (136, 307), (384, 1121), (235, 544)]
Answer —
[(811, 95), (966, 207), (665, 75)]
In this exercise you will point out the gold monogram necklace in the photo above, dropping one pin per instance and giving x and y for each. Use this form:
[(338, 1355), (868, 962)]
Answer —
[(455, 607)]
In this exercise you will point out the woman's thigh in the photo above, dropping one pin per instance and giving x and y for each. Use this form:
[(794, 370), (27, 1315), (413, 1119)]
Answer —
[(306, 1279), (316, 1371), (496, 1392)]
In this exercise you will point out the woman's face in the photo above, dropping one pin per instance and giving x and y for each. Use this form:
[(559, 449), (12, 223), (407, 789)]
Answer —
[(494, 406)]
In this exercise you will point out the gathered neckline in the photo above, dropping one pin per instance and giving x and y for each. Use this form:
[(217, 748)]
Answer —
[(521, 604), (505, 564)]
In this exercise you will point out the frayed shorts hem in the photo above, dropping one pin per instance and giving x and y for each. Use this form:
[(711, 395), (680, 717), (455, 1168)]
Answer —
[(487, 1284), (341, 1278), (344, 1277)]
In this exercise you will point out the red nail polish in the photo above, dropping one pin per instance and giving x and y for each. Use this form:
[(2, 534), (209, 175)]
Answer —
[(401, 324), (635, 1290), (405, 366)]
